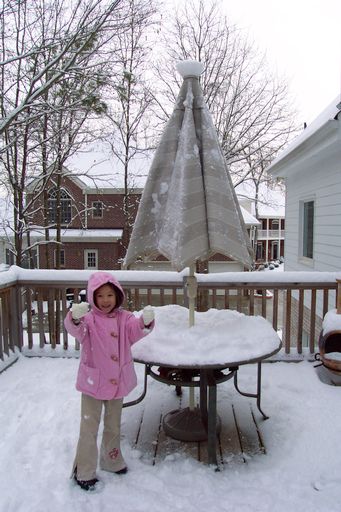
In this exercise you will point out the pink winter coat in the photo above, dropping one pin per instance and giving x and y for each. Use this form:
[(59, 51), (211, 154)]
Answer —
[(106, 368)]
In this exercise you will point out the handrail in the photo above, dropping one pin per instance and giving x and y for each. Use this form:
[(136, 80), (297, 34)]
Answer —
[(33, 303)]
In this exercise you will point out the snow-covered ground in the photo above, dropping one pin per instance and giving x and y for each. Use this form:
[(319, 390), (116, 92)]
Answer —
[(39, 421)]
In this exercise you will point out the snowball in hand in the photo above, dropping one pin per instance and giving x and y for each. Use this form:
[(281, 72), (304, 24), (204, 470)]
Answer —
[(148, 315), (79, 310)]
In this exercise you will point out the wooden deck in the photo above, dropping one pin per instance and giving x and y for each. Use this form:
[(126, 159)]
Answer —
[(239, 440)]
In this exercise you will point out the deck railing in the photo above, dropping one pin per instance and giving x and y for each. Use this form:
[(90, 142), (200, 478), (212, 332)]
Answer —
[(270, 233), (33, 303)]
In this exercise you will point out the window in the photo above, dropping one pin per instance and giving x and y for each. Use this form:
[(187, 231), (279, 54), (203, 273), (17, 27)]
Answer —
[(97, 210), (260, 251), (9, 257), (274, 250), (91, 259), (59, 201), (308, 229), (62, 257)]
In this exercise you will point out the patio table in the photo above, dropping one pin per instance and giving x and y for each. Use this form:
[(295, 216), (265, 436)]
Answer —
[(225, 353)]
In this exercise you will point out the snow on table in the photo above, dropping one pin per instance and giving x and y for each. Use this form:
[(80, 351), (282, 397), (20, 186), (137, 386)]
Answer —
[(218, 337)]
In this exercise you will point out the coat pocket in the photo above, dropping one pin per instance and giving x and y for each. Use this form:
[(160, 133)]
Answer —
[(128, 376), (88, 379)]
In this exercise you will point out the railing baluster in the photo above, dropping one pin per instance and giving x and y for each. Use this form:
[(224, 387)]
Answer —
[(227, 299), (214, 298), (239, 300), (40, 299), (28, 309), (51, 317), (162, 296), (288, 322), (300, 321), (64, 313), (264, 291), (325, 301), (275, 309), (251, 302), (174, 296), (312, 321)]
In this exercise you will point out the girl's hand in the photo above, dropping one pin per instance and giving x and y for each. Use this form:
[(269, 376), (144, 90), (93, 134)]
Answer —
[(79, 310), (148, 315)]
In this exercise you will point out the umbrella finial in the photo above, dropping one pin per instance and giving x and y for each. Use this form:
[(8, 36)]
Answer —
[(188, 68)]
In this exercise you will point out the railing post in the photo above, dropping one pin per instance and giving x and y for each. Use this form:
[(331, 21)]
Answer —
[(338, 310), (15, 318)]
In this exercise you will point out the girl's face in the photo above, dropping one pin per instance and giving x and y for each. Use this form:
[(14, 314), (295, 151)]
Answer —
[(105, 298)]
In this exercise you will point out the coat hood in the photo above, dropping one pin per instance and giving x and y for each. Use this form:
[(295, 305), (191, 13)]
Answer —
[(99, 279)]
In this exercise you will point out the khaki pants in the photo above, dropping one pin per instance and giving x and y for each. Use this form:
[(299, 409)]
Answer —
[(87, 452)]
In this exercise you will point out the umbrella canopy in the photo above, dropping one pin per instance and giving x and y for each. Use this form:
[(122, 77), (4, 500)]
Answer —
[(189, 210)]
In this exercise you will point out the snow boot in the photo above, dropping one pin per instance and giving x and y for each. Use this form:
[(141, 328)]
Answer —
[(122, 471), (87, 485)]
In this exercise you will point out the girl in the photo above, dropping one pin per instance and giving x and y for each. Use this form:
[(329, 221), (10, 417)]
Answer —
[(106, 372)]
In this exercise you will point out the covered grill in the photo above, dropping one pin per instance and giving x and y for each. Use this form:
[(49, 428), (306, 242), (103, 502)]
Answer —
[(330, 350), (330, 337)]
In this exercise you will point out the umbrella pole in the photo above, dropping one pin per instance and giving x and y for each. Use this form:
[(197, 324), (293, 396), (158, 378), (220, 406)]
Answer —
[(192, 287)]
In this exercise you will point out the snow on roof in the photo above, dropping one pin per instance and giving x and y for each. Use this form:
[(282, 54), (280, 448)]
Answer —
[(249, 219), (326, 115), (80, 234), (271, 202), (96, 165)]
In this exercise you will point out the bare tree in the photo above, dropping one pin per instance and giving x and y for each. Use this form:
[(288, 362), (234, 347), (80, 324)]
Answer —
[(84, 28), (50, 81), (249, 105), (130, 109)]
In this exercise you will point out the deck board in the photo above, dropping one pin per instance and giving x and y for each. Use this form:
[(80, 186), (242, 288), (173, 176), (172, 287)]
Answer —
[(239, 440)]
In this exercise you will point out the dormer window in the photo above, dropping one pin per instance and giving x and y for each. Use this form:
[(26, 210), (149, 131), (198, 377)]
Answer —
[(97, 210), (59, 206)]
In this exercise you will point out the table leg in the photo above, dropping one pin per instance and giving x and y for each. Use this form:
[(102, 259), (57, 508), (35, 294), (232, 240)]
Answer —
[(203, 399), (212, 420), (259, 388), (143, 394), (209, 413)]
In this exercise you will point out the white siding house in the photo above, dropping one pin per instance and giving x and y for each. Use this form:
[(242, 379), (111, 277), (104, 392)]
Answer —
[(311, 167)]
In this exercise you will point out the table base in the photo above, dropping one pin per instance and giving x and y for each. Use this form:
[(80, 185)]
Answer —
[(178, 424), (187, 425)]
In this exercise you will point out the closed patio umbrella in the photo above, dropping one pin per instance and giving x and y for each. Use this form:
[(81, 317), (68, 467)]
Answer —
[(189, 210)]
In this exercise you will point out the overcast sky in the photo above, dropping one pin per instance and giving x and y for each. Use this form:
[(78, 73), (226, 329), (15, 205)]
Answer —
[(302, 40)]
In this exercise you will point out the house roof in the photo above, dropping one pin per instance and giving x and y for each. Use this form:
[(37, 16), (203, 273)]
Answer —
[(35, 182), (80, 235), (249, 219), (271, 201), (323, 132)]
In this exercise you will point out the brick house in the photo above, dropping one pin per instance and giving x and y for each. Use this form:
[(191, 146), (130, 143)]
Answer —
[(92, 223), (269, 244), (270, 236)]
